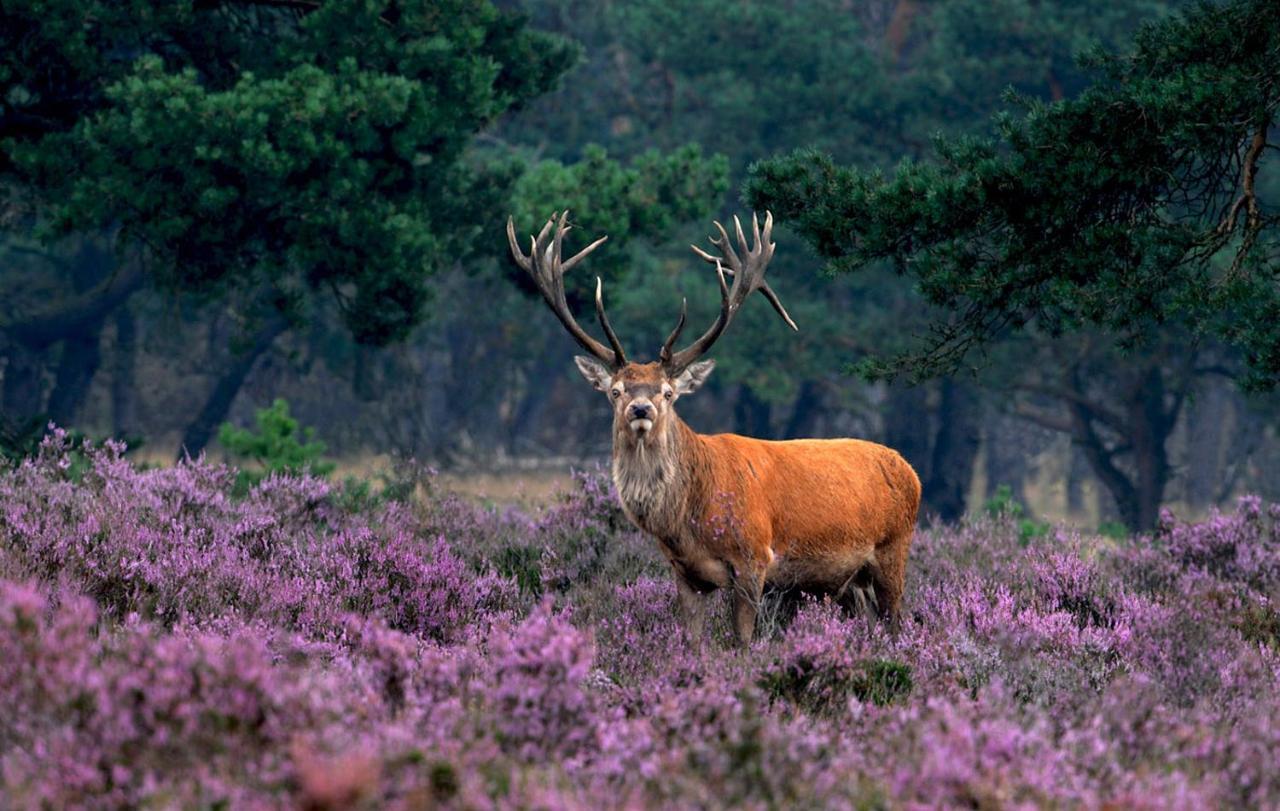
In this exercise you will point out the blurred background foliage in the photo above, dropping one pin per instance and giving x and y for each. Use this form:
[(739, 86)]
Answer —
[(207, 206)]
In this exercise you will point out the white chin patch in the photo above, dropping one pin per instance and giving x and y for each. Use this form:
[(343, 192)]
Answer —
[(641, 426)]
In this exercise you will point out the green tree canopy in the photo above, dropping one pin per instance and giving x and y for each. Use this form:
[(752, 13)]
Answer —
[(295, 159), (1137, 203), (290, 146)]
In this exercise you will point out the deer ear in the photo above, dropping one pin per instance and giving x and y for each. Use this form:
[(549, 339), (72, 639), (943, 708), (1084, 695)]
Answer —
[(594, 371), (691, 379)]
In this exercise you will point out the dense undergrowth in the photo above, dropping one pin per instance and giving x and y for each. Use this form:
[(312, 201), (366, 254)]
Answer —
[(166, 643)]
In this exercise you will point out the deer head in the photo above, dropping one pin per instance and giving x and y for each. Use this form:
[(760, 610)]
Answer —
[(643, 395)]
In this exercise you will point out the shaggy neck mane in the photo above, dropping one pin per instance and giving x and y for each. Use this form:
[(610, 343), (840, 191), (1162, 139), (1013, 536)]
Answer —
[(653, 476)]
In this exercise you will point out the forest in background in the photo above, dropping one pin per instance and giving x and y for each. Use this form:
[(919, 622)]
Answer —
[(643, 118)]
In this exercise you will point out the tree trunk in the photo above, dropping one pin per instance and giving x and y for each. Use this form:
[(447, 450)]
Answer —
[(363, 373), (1076, 471), (1150, 429), (1209, 439), (751, 414), (77, 322), (532, 404), (1008, 446), (954, 448), (216, 407), (906, 426), (81, 357), (23, 393), (1147, 427), (805, 412), (124, 392)]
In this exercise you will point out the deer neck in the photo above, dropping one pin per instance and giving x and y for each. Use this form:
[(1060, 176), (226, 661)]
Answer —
[(653, 476)]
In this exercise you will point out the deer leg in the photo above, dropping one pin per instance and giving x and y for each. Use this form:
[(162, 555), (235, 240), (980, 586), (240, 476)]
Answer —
[(748, 591), (693, 611), (857, 595), (888, 576)]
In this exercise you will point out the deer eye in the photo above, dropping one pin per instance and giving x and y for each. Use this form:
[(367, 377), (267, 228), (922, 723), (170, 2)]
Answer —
[(616, 393), (667, 394)]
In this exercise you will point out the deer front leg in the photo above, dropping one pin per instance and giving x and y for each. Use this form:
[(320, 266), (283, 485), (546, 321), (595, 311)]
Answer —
[(693, 611), (748, 592)]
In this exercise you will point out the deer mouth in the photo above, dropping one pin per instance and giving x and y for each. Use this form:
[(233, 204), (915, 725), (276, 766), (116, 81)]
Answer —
[(641, 427)]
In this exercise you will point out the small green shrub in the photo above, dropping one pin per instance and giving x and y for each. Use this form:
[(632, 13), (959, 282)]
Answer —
[(817, 687), (882, 682), (522, 564), (278, 445), (1258, 622), (1114, 530), (1002, 505)]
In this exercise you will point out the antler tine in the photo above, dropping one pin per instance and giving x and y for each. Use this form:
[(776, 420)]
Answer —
[(777, 306), (742, 240), (545, 267), (764, 288), (604, 324), (726, 247), (582, 254), (747, 271), (665, 354), (516, 254), (558, 238)]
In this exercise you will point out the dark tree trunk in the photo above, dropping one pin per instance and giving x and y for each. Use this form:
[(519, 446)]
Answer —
[(469, 421), (91, 267), (751, 414), (23, 394), (77, 323), (1149, 436), (1144, 425), (363, 373), (1211, 424), (906, 426), (1130, 415), (1008, 449), (124, 397), (533, 403), (81, 357), (218, 404), (805, 412), (1077, 469), (954, 448)]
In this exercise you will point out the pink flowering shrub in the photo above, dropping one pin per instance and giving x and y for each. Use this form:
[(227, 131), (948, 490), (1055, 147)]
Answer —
[(173, 545), (537, 689), (165, 642)]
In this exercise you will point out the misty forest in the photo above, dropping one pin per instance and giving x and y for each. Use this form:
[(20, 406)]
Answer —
[(305, 501)]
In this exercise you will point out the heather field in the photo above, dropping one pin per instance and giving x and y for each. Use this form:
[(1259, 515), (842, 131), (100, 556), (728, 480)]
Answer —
[(169, 641)]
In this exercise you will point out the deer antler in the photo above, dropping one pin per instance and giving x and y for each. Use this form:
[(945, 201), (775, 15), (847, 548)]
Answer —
[(547, 271), (747, 271)]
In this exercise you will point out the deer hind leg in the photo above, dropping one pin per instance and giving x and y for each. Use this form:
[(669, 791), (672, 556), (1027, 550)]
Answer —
[(748, 592), (888, 576), (858, 594)]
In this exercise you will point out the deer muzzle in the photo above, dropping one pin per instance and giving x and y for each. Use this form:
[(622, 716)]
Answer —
[(640, 416)]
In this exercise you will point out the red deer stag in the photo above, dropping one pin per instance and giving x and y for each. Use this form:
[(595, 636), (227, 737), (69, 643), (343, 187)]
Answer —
[(825, 516)]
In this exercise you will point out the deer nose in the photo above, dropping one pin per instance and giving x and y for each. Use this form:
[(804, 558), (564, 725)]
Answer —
[(641, 411)]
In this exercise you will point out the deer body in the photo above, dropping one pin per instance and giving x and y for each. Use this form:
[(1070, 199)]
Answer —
[(824, 516)]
